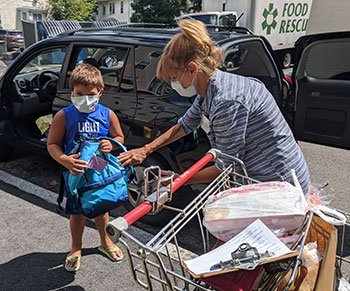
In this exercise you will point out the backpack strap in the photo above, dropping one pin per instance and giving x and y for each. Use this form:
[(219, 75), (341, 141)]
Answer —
[(131, 168), (60, 191)]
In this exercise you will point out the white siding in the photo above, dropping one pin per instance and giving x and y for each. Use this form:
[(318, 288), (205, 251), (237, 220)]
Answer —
[(11, 12), (120, 14)]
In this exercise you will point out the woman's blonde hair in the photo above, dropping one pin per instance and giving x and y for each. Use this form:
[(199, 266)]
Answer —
[(193, 43), (86, 75)]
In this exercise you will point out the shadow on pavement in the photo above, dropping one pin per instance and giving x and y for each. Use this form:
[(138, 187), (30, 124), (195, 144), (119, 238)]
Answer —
[(38, 271)]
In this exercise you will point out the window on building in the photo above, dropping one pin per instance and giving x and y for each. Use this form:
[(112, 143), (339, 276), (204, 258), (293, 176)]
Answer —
[(110, 8), (24, 15), (37, 17), (113, 8), (121, 6), (103, 10)]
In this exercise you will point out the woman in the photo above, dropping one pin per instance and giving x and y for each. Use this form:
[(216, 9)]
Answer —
[(238, 113)]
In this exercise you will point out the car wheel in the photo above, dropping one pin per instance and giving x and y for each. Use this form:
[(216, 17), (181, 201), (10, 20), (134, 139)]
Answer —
[(287, 60), (180, 198)]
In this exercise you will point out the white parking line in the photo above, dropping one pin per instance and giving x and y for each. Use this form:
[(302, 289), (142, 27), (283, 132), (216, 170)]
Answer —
[(47, 195), (51, 197)]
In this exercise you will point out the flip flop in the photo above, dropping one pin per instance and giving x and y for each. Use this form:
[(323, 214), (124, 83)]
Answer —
[(74, 263), (109, 250)]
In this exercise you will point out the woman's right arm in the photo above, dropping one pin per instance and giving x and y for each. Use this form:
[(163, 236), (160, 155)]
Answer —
[(137, 156)]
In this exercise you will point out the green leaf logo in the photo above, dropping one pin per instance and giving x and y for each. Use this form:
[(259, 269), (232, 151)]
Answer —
[(270, 16)]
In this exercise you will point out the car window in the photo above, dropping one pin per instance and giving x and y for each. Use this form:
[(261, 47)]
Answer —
[(249, 59), (227, 19), (329, 60), (207, 19), (15, 33), (46, 60), (113, 62), (252, 59), (146, 61)]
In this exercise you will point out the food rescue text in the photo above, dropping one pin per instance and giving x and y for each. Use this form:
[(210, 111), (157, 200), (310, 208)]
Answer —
[(294, 17)]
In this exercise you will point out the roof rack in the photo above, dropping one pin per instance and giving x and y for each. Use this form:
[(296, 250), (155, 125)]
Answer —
[(146, 27), (156, 28)]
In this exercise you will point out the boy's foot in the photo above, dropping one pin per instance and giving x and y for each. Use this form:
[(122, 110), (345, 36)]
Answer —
[(72, 262), (114, 253)]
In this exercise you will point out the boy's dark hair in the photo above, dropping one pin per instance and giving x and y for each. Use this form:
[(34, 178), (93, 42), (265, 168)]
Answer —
[(86, 75)]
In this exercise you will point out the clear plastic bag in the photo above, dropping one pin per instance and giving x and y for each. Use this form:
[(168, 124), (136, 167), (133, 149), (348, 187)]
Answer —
[(279, 205)]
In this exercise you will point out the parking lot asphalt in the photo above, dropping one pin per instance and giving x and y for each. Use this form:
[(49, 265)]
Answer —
[(34, 241)]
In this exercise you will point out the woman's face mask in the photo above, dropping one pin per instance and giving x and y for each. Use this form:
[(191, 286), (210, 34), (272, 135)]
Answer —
[(86, 103), (186, 92)]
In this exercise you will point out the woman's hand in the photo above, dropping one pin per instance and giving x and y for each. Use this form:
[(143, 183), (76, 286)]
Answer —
[(105, 146), (133, 157), (73, 164)]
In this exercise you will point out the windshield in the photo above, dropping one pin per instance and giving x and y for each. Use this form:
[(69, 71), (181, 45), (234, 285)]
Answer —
[(207, 19), (16, 33), (51, 60)]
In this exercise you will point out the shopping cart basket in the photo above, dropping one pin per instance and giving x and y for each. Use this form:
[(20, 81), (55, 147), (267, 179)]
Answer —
[(157, 263)]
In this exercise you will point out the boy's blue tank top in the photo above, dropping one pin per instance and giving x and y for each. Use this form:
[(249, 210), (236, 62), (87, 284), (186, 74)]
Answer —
[(91, 125)]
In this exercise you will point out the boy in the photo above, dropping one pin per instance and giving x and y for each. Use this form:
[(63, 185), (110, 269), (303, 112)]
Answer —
[(84, 117)]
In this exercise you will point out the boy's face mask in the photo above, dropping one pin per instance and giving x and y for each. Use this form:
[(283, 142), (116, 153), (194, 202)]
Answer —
[(86, 103)]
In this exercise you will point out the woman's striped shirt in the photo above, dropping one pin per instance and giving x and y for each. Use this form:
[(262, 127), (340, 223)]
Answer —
[(245, 121)]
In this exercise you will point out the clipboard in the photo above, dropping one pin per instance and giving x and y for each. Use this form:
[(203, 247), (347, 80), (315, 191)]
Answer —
[(257, 236), (225, 271)]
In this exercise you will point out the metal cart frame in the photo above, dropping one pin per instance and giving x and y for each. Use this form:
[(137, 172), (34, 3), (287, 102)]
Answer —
[(157, 263)]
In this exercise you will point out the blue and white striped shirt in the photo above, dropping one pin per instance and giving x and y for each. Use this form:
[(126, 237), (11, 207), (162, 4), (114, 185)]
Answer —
[(245, 121)]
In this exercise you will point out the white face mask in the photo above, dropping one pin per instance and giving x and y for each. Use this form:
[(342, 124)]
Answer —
[(186, 92), (86, 103)]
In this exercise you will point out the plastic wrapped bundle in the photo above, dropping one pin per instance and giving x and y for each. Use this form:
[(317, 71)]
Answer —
[(280, 205)]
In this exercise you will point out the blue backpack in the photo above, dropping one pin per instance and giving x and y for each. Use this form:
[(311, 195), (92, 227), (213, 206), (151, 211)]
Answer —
[(104, 185)]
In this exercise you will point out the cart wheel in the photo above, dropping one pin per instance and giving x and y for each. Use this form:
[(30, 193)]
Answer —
[(180, 198)]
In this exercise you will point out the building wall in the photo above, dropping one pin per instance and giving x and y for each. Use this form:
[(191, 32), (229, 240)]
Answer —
[(13, 11), (114, 9)]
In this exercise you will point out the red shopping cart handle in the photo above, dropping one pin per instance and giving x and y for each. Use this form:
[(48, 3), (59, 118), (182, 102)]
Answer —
[(144, 208)]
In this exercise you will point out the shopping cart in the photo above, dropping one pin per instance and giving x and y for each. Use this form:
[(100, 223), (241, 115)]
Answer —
[(157, 263)]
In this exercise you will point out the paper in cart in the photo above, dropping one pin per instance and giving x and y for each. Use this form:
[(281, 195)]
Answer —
[(257, 235)]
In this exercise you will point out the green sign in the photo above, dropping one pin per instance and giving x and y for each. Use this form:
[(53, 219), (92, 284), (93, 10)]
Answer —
[(293, 18), (270, 16)]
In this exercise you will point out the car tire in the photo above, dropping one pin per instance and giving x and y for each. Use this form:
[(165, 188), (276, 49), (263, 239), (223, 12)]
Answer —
[(179, 200), (287, 60)]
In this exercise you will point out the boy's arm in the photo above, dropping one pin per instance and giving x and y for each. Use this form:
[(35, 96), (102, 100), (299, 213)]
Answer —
[(115, 132), (54, 146), (56, 134)]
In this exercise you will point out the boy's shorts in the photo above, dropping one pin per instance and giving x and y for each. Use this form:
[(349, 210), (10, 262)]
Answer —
[(72, 207)]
